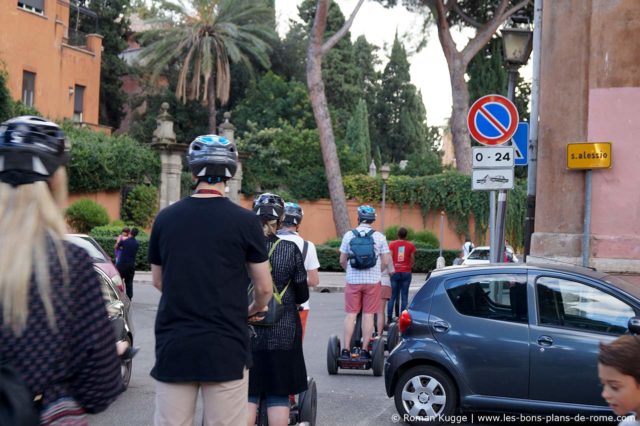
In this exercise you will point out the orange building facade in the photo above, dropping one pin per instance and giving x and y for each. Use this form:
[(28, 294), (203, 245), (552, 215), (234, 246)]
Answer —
[(50, 66)]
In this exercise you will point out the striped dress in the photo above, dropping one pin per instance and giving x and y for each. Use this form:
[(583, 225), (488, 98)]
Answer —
[(78, 359)]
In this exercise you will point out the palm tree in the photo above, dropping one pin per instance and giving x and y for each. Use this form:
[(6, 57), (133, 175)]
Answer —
[(203, 38)]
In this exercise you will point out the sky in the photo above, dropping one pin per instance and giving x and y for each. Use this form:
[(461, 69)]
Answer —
[(428, 67), (429, 70)]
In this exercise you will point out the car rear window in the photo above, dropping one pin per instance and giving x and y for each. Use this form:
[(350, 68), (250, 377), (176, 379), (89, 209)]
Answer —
[(96, 254), (479, 255)]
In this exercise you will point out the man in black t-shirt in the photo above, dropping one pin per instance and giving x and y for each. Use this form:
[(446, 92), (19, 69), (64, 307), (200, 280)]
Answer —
[(126, 263), (203, 251)]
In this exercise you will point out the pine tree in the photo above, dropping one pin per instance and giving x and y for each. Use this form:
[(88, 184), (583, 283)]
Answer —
[(400, 117), (357, 137), (113, 26), (488, 75)]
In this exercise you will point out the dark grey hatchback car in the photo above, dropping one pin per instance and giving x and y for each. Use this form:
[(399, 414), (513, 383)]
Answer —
[(507, 338)]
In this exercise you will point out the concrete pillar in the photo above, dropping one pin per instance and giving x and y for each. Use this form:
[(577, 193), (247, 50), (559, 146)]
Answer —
[(171, 154), (227, 130)]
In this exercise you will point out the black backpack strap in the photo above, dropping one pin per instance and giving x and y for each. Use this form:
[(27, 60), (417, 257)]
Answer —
[(305, 248)]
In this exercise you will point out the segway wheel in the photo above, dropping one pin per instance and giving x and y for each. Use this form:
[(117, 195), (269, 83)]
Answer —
[(333, 352), (377, 360), (308, 403), (356, 337), (393, 336)]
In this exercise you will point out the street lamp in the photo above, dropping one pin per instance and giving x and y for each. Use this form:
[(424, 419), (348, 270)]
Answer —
[(517, 39), (384, 173)]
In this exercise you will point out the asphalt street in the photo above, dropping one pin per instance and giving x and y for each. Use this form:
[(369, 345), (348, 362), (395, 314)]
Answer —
[(349, 398)]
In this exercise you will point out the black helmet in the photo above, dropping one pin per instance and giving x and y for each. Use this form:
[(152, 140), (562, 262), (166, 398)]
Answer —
[(31, 150), (212, 156), (366, 214), (292, 214), (269, 206)]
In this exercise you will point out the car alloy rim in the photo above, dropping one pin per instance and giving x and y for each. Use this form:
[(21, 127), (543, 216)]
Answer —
[(424, 396)]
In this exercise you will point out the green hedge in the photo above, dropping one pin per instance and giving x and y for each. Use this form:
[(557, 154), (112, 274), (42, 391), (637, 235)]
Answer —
[(329, 258), (142, 259), (107, 163), (85, 214)]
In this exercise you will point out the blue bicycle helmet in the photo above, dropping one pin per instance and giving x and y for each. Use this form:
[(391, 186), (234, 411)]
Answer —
[(366, 214), (212, 158), (269, 206), (292, 214), (31, 150)]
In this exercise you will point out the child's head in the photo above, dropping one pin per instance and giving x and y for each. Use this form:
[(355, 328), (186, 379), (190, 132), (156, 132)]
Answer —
[(619, 372), (125, 230)]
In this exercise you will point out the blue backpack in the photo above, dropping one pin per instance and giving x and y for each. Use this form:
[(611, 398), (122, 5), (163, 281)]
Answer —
[(363, 253)]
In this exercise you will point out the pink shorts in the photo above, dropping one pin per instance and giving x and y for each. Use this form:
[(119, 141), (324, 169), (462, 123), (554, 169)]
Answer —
[(385, 292), (365, 297)]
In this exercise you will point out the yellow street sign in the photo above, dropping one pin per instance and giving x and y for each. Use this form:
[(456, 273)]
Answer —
[(589, 155)]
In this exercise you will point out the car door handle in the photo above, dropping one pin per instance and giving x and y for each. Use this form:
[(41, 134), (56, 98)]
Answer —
[(441, 326), (545, 341)]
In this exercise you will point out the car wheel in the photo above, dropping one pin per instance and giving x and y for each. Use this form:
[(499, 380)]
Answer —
[(126, 366), (425, 395), (308, 402), (377, 360), (333, 352), (393, 336)]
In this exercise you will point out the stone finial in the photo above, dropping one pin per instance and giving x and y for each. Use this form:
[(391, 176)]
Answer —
[(164, 126), (372, 169), (226, 125)]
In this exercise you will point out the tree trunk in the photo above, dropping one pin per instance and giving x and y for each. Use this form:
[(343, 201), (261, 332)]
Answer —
[(459, 111), (211, 105), (327, 143)]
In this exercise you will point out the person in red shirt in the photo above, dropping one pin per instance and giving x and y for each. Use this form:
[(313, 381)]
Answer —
[(403, 254)]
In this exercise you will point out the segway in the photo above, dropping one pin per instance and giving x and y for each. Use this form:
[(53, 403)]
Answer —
[(303, 411), (391, 338), (335, 360)]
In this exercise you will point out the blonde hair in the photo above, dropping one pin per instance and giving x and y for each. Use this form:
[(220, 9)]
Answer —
[(28, 214), (269, 227)]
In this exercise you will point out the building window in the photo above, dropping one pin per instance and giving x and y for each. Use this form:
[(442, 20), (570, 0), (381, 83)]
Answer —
[(78, 104), (28, 87), (36, 6)]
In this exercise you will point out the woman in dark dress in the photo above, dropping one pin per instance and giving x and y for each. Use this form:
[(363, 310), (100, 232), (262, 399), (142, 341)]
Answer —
[(278, 362)]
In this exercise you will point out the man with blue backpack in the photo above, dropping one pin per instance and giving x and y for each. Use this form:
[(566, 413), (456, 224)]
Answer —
[(364, 253)]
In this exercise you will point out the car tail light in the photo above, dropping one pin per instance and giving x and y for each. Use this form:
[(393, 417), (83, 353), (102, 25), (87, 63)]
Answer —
[(118, 282), (404, 321)]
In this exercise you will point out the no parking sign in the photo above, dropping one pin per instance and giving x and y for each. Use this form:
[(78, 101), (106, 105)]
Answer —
[(492, 120)]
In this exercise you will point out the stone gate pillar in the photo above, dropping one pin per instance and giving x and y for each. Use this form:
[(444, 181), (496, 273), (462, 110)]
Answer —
[(171, 154), (227, 130)]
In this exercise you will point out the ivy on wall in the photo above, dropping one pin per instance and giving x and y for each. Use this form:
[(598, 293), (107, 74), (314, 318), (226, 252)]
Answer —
[(449, 191)]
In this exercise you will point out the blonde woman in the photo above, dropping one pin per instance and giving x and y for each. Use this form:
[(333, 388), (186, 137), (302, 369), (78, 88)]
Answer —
[(54, 330)]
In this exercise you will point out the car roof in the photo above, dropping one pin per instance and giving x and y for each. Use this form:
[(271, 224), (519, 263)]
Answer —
[(519, 266)]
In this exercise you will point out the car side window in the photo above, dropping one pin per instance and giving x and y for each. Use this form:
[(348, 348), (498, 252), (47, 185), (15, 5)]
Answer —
[(570, 304), (496, 296)]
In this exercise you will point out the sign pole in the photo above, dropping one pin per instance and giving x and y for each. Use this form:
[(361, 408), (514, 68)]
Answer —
[(502, 195), (587, 218), (492, 224)]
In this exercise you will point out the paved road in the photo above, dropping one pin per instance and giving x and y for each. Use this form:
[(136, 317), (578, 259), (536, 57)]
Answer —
[(350, 398)]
